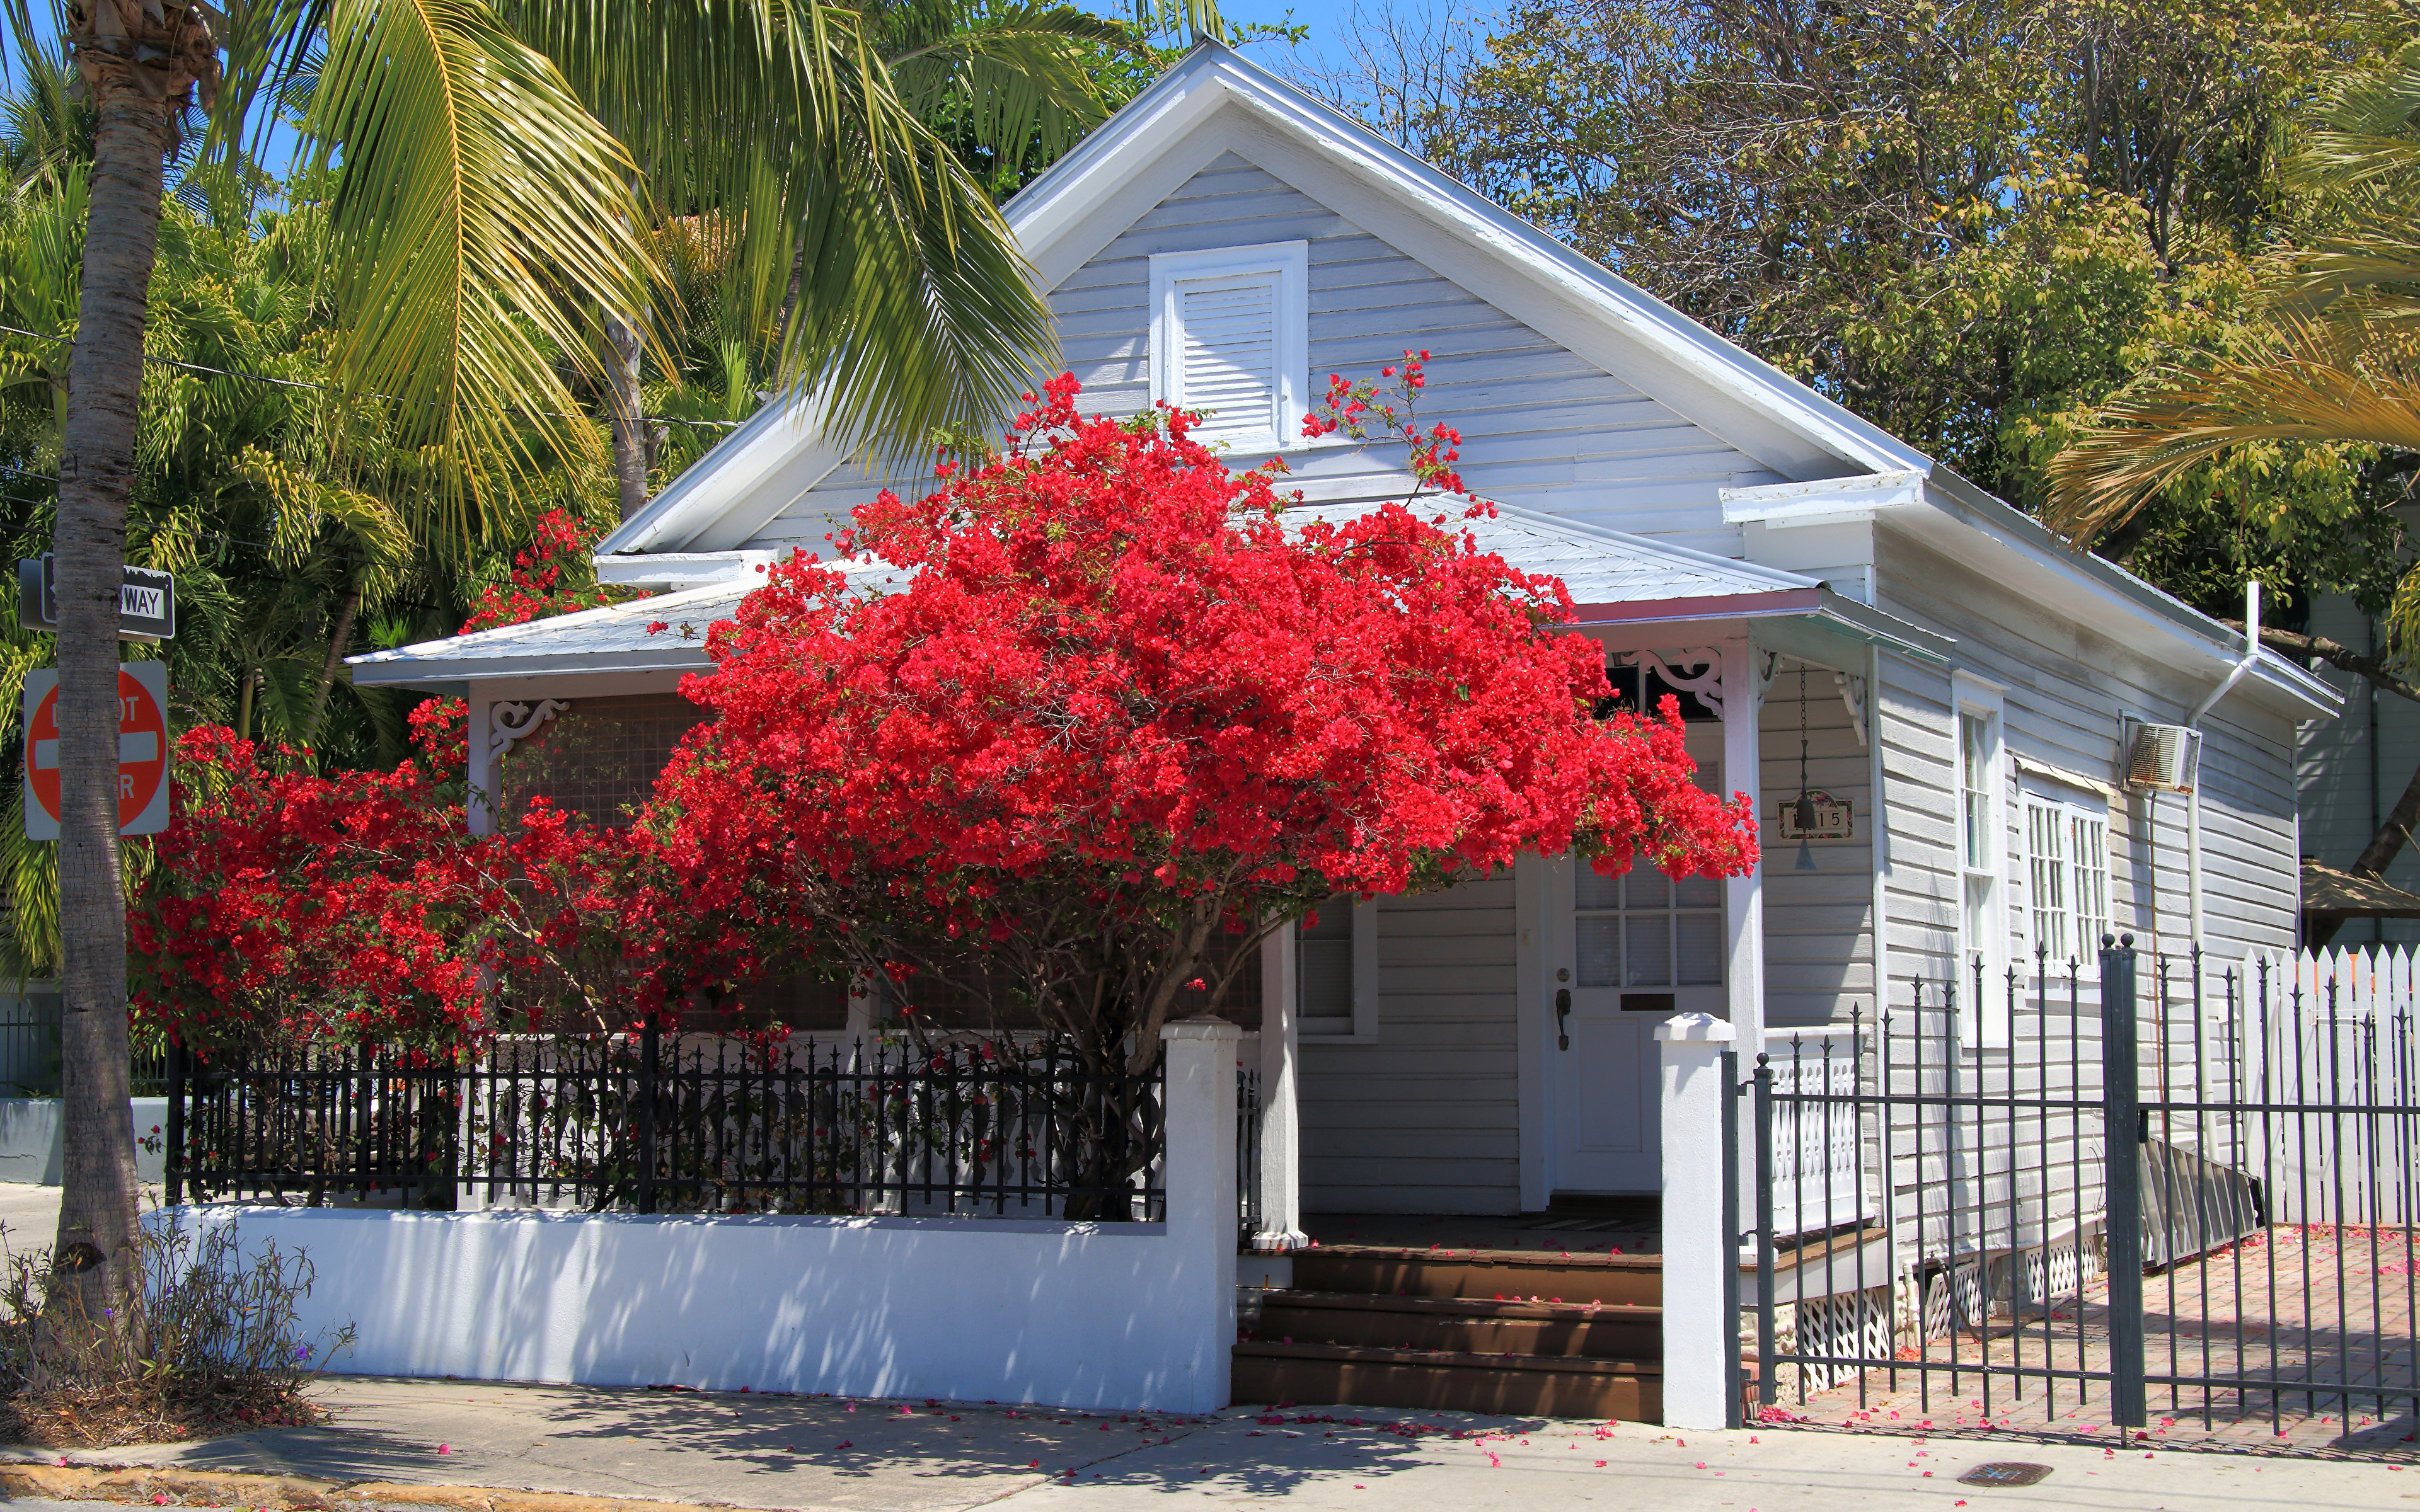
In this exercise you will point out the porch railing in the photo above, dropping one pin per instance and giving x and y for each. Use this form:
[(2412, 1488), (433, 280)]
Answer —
[(689, 1123)]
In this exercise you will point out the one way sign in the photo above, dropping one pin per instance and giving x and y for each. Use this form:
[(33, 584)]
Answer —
[(147, 600)]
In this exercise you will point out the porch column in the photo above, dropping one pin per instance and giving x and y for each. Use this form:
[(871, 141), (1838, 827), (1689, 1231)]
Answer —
[(482, 772), (1743, 896), (1280, 1174)]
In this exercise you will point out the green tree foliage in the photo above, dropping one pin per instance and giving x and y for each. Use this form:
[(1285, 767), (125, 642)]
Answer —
[(1970, 221)]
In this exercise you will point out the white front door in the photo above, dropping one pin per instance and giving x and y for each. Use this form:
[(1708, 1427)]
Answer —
[(1631, 952)]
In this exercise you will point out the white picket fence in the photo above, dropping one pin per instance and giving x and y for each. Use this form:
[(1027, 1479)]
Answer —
[(2327, 1078)]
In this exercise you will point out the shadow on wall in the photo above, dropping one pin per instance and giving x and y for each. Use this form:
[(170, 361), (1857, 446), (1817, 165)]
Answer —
[(30, 1136), (1109, 1314)]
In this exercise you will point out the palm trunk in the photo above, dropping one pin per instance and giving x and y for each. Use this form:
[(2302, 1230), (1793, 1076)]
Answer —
[(99, 1192), (630, 430), (337, 639)]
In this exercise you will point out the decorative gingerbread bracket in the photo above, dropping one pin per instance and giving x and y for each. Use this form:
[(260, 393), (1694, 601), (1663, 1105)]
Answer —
[(1853, 695), (1690, 670), (508, 723)]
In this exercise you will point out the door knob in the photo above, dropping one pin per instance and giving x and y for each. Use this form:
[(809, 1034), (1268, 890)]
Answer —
[(1562, 1018)]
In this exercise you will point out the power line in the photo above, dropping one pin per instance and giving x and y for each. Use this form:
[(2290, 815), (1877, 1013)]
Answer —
[(330, 388)]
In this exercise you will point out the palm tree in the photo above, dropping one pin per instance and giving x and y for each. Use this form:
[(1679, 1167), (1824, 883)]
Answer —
[(2335, 357), (482, 236)]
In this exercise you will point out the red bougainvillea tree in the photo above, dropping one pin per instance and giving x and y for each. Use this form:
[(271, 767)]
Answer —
[(1114, 704), (357, 905)]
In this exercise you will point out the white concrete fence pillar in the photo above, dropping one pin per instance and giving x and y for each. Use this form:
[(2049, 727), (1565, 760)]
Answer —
[(1202, 1211), (1700, 1257)]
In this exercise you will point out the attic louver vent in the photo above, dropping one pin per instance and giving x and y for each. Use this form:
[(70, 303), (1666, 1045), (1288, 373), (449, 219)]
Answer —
[(1229, 337), (1231, 353), (2165, 758)]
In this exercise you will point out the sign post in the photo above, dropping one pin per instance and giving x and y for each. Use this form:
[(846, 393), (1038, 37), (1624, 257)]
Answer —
[(142, 750)]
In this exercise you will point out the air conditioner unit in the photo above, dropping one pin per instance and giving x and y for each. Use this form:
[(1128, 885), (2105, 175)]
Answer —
[(2165, 758)]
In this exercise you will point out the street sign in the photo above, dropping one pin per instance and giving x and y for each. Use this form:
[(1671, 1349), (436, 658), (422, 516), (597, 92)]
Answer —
[(142, 750), (147, 600)]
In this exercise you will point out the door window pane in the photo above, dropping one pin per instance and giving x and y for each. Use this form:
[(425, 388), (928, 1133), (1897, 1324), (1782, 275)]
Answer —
[(1600, 950), (1698, 948), (1590, 891), (1650, 888), (1648, 942)]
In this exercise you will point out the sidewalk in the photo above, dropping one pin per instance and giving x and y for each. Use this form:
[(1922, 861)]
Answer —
[(789, 1453)]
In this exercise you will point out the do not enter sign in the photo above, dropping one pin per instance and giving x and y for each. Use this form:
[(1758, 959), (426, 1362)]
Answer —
[(142, 750)]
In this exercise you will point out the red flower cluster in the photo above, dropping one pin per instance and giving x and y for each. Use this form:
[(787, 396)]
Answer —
[(551, 576), (359, 906), (1115, 702)]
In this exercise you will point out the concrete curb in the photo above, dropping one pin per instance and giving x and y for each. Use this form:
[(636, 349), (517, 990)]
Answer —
[(292, 1494)]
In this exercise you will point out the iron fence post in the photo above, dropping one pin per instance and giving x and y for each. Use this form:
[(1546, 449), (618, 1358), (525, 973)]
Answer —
[(175, 1162), (650, 1047), (1768, 1390), (2121, 1142)]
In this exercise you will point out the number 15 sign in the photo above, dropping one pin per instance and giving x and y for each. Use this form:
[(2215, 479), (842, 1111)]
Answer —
[(142, 750)]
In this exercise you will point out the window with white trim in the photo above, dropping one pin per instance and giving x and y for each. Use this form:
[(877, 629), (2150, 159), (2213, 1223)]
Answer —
[(1229, 335), (1983, 922), (2067, 871), (1336, 970)]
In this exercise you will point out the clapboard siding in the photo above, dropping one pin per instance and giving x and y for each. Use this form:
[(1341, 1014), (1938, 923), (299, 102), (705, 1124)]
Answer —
[(2068, 688), (2349, 771), (1819, 959), (1427, 1118), (1542, 428)]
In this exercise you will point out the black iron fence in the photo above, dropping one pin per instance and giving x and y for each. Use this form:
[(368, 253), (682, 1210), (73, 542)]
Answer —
[(653, 1122), (2116, 1191), (1248, 1154), (30, 1057)]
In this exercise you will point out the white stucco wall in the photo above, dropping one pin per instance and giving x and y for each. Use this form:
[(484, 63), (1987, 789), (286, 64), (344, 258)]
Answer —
[(1120, 1316)]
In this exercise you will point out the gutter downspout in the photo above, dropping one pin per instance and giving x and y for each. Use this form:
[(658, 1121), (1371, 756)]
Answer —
[(2193, 721)]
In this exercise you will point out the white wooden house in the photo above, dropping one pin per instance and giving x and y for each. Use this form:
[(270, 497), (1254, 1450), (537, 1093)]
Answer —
[(1955, 677)]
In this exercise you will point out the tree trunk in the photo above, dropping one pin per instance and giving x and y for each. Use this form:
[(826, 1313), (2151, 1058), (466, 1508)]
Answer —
[(2379, 854), (346, 611), (630, 430), (99, 1192)]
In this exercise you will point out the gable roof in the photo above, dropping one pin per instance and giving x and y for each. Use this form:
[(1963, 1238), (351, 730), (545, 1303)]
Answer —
[(1215, 102), (1612, 578)]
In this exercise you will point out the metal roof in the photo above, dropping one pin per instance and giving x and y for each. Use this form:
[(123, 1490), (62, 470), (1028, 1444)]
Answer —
[(1606, 571)]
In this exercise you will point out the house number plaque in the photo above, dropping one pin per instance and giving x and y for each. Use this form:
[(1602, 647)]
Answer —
[(1832, 820)]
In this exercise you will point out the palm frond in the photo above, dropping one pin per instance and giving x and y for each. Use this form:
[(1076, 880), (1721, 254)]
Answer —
[(2325, 381), (481, 208), (2371, 131), (913, 310), (1018, 76)]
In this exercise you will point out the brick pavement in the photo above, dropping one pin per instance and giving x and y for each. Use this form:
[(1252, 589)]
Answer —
[(2325, 1311)]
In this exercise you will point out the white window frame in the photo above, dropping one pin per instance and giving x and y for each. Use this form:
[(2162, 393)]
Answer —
[(1983, 919), (1289, 262), (1365, 985), (2080, 824)]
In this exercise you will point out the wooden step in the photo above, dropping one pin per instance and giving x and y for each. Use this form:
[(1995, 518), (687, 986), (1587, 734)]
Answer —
[(1445, 1380), (1632, 1280), (1457, 1325)]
